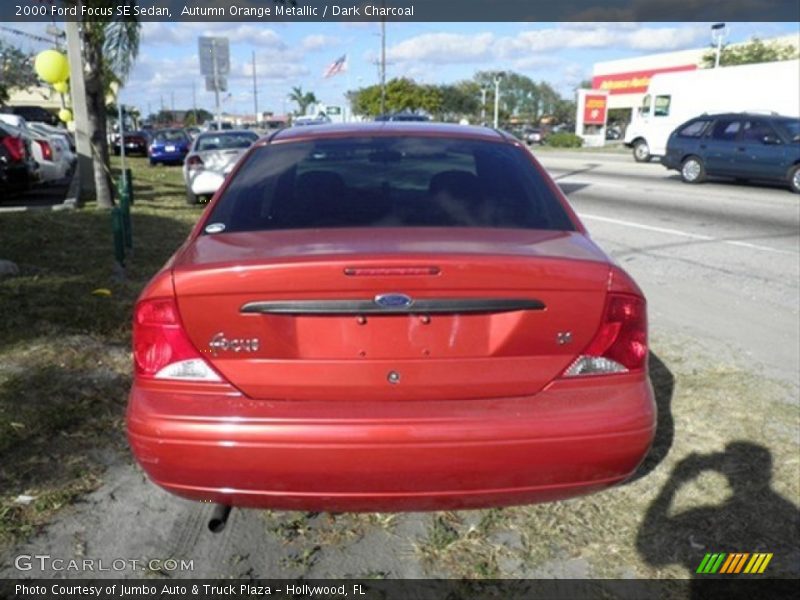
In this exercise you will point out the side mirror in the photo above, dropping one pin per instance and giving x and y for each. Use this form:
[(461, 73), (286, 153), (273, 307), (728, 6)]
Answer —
[(770, 139)]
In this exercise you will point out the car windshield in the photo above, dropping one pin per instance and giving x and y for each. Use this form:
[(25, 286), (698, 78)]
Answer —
[(176, 135), (790, 128), (389, 182), (225, 141)]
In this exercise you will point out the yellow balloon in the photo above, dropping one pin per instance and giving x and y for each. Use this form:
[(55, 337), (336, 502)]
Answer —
[(65, 115), (52, 66), (62, 87)]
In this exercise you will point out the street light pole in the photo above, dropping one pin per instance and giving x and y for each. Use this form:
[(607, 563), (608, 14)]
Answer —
[(497, 79), (718, 34), (255, 89)]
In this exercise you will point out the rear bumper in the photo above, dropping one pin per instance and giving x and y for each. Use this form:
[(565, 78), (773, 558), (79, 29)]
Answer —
[(573, 438), (671, 160), (163, 156)]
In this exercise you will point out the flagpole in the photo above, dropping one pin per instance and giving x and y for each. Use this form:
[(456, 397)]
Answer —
[(348, 115)]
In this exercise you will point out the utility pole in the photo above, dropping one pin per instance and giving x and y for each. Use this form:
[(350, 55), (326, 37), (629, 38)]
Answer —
[(484, 91), (383, 63), (80, 112), (194, 104), (497, 79), (255, 90)]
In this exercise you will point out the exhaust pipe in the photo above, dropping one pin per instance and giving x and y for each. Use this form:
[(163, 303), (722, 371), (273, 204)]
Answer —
[(219, 518)]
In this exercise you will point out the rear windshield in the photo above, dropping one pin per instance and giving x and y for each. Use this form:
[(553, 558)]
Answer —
[(170, 136), (225, 141), (388, 182)]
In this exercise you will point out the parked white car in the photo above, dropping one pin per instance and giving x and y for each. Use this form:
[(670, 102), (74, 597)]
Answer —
[(60, 139), (211, 157), (51, 154)]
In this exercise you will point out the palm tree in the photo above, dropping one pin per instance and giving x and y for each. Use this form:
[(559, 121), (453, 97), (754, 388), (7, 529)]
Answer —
[(303, 100), (109, 49)]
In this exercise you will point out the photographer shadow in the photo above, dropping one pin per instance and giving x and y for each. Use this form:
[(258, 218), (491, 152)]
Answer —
[(753, 519)]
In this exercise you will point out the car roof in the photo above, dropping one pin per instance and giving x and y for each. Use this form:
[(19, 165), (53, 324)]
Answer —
[(386, 128), (763, 115)]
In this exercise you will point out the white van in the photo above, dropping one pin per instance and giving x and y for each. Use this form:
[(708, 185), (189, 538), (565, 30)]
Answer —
[(673, 98)]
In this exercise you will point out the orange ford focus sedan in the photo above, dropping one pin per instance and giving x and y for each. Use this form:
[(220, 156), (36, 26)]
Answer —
[(389, 317)]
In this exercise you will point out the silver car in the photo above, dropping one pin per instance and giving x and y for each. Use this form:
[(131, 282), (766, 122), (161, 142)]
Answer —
[(211, 157)]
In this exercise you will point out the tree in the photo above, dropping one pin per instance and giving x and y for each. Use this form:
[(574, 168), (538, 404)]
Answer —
[(303, 100), (754, 51), (460, 100), (401, 95), (109, 46), (520, 96), (16, 70)]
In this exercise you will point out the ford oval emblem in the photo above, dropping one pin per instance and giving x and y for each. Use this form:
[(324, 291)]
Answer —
[(393, 300)]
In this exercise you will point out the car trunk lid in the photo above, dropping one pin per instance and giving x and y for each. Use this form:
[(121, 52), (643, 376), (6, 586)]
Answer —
[(391, 314)]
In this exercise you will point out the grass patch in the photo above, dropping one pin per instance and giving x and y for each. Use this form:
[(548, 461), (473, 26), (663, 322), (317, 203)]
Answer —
[(64, 352)]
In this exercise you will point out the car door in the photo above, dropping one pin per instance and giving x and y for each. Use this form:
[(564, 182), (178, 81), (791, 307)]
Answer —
[(760, 153), (720, 147)]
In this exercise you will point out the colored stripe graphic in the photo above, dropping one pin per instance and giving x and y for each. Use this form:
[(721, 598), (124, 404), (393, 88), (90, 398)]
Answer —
[(727, 564), (718, 563), (758, 563), (703, 563), (711, 563), (734, 563), (741, 562)]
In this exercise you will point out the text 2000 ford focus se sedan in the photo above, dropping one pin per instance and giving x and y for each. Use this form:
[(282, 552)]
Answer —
[(389, 317)]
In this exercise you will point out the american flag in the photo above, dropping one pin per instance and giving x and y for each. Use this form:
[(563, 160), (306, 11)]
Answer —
[(336, 67)]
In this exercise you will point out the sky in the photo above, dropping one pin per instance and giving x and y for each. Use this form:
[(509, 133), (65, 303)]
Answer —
[(297, 54)]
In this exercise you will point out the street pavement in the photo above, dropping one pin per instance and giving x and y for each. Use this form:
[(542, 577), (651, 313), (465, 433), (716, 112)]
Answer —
[(718, 262)]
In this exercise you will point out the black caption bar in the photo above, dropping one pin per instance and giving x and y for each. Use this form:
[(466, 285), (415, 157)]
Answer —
[(368, 589), (404, 10)]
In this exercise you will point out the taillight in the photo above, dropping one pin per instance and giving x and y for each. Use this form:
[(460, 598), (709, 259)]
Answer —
[(620, 344), (47, 151), (15, 147), (194, 163), (161, 348)]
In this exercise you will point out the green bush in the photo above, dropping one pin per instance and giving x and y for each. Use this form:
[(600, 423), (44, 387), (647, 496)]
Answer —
[(562, 139)]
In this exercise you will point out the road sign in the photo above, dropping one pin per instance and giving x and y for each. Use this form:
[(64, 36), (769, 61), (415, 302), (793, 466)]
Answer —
[(214, 50)]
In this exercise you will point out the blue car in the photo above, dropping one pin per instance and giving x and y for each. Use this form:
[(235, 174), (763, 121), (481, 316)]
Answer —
[(169, 146), (744, 146)]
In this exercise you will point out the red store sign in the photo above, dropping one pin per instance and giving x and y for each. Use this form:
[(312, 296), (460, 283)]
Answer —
[(594, 109), (633, 82)]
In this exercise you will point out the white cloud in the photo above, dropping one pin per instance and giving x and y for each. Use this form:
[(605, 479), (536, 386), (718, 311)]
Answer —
[(450, 48), (315, 42), (187, 33), (603, 35), (443, 48)]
